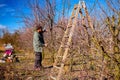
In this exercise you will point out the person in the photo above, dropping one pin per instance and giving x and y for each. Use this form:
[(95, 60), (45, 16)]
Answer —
[(8, 53), (38, 44)]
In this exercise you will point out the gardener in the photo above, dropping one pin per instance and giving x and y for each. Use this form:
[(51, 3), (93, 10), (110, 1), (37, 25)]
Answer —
[(38, 44)]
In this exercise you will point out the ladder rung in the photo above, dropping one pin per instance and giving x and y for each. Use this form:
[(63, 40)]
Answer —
[(66, 36), (65, 46), (62, 46), (69, 26), (72, 17), (75, 7), (60, 56), (57, 67), (53, 77)]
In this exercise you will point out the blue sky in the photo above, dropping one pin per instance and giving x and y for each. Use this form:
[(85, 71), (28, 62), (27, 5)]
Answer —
[(11, 9), (9, 12)]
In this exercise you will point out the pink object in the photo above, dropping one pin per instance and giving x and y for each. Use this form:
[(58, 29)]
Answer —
[(8, 52)]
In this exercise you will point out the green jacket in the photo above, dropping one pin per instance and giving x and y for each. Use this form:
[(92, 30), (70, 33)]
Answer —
[(38, 41)]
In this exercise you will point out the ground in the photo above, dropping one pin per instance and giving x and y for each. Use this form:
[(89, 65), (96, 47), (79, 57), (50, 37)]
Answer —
[(24, 70)]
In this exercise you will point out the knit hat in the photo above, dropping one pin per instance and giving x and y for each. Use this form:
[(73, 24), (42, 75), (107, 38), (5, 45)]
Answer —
[(38, 27)]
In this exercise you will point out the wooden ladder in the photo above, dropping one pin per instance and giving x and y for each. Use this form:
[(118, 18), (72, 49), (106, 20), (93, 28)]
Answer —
[(65, 44)]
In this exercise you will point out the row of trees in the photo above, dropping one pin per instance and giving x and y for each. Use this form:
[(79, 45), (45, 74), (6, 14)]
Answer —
[(99, 60), (7, 37)]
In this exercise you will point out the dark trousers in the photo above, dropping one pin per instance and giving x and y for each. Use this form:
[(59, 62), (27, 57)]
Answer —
[(38, 60)]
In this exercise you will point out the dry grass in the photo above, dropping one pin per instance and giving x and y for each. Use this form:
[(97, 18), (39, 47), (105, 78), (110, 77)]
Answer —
[(24, 70)]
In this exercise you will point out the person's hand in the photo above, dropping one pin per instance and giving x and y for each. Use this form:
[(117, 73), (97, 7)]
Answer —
[(45, 45)]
